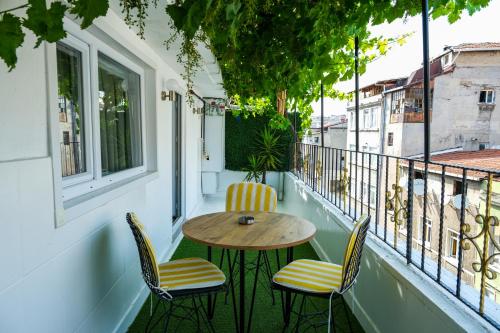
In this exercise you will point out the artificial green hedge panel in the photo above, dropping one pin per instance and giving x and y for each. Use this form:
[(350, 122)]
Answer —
[(240, 139)]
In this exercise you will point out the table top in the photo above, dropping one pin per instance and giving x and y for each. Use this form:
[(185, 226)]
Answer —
[(270, 230)]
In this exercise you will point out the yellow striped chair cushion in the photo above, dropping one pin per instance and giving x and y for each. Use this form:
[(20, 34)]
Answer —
[(251, 197), (190, 273), (149, 245), (310, 276), (352, 239)]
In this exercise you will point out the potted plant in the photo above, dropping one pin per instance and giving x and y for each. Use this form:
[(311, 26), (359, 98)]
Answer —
[(269, 156)]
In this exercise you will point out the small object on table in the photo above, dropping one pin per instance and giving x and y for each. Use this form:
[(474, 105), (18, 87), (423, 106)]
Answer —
[(246, 219)]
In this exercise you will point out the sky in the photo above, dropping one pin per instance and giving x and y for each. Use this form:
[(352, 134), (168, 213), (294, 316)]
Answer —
[(400, 61)]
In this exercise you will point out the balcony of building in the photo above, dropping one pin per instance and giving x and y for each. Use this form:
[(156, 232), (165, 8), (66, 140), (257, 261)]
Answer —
[(69, 175)]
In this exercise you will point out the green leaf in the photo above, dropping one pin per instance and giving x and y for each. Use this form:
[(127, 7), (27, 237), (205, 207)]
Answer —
[(89, 10), (46, 24), (11, 37), (232, 9)]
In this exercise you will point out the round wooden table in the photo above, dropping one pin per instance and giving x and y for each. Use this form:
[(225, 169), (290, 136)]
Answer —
[(270, 231)]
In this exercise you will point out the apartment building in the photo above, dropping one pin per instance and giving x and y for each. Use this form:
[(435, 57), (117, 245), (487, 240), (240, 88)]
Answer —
[(439, 238), (464, 82)]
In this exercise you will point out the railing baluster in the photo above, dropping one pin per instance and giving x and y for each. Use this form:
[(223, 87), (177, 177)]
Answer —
[(424, 217), (356, 186), (369, 188), (385, 194), (461, 237), (441, 223), (362, 180), (377, 194), (350, 182), (409, 216)]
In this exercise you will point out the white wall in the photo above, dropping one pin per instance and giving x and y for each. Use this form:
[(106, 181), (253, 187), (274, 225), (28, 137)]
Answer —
[(456, 98), (389, 296), (83, 276)]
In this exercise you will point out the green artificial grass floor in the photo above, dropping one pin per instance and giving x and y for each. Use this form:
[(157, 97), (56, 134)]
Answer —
[(266, 316)]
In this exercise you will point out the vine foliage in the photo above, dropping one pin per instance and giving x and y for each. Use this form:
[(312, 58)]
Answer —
[(264, 48)]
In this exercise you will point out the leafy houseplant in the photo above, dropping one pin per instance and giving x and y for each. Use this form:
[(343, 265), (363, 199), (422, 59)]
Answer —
[(269, 156), (254, 169)]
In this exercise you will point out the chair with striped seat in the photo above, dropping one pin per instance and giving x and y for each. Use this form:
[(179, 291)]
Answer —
[(323, 279), (176, 281), (251, 197)]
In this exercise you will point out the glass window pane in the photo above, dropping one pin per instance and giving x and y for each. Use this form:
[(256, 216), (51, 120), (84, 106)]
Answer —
[(120, 117), (71, 110)]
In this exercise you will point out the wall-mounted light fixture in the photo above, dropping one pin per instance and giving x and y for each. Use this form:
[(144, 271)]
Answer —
[(169, 89), (170, 95)]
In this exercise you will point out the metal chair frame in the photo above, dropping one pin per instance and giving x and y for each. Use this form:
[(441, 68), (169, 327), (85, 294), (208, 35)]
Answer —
[(349, 276), (175, 298)]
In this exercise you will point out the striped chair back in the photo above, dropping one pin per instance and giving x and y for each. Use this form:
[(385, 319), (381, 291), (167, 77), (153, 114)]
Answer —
[(147, 255), (352, 256), (251, 197)]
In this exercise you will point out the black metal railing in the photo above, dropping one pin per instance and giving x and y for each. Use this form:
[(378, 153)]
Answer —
[(72, 159), (442, 218)]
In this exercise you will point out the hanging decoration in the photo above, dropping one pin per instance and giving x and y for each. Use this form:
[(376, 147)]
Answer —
[(215, 106)]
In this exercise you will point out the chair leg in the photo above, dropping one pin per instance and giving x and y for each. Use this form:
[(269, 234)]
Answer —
[(207, 322), (331, 322), (301, 309), (167, 319), (346, 313), (269, 273), (152, 315), (195, 307), (233, 296)]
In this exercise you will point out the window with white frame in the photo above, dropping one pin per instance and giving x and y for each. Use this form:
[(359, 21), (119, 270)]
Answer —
[(487, 96), (371, 194), (426, 237), (101, 125), (373, 118), (453, 239), (446, 60), (366, 118), (352, 121), (72, 109)]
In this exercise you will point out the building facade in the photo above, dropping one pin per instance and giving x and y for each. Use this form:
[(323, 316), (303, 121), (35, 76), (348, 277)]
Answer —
[(464, 82)]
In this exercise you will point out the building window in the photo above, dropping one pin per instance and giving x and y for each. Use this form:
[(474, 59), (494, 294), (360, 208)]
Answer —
[(373, 119), (446, 59), (352, 121), (418, 174), (366, 118), (418, 104), (457, 187), (487, 96), (372, 192), (390, 138), (427, 231), (71, 110), (316, 139), (101, 138), (453, 237), (120, 116)]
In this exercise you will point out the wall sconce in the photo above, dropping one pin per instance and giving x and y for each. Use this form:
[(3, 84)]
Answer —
[(169, 89), (170, 95)]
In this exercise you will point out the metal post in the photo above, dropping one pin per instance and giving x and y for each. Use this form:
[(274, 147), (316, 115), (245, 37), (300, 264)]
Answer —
[(322, 117), (425, 40), (295, 124), (356, 83)]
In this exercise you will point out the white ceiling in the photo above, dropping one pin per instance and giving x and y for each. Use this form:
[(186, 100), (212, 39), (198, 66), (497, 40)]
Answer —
[(208, 80)]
